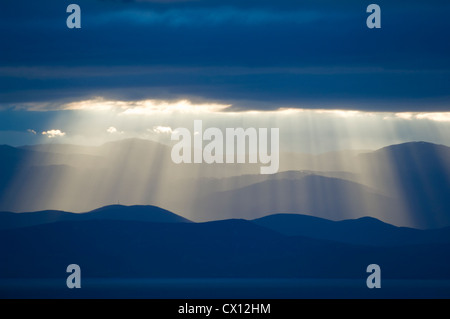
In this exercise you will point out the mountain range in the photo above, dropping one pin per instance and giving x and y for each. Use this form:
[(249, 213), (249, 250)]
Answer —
[(149, 242), (9, 220), (404, 185)]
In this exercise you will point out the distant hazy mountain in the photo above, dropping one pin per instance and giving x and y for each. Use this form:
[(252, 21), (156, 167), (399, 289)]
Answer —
[(409, 186), (61, 148), (153, 214), (320, 196), (405, 184), (424, 153), (416, 173), (208, 185), (335, 161), (407, 166)]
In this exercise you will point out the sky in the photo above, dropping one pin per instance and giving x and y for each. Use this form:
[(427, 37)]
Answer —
[(142, 68)]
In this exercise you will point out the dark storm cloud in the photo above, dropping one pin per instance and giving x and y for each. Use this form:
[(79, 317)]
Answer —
[(254, 54)]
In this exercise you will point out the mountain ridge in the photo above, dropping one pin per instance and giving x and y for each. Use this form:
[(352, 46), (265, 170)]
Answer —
[(143, 213), (222, 249), (400, 189), (363, 230)]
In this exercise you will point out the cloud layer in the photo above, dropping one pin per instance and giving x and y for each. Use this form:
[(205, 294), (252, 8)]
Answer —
[(250, 54)]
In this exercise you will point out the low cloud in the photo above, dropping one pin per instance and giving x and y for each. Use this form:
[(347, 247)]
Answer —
[(436, 116), (432, 116), (162, 129), (150, 107), (133, 107), (54, 133), (111, 130)]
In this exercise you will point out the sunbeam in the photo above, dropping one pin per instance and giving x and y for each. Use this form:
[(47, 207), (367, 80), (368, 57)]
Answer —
[(332, 163)]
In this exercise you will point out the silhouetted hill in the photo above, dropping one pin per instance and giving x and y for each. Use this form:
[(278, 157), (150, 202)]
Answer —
[(418, 173), (428, 153), (405, 184), (29, 177), (136, 213), (11, 159), (9, 220), (222, 249), (147, 213), (61, 148), (12, 163), (208, 185), (409, 186), (320, 196), (363, 231)]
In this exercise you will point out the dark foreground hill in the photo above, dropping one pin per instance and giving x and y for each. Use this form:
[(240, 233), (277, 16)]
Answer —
[(147, 252), (362, 231), (142, 213), (222, 249)]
